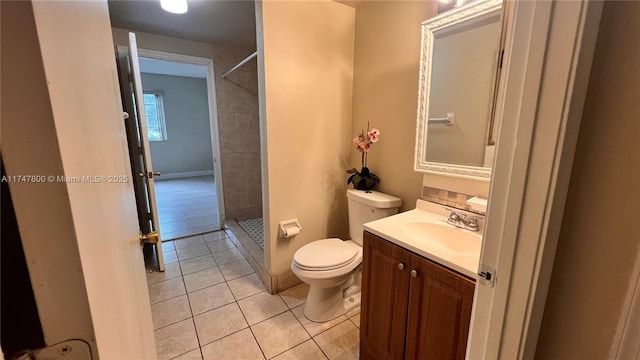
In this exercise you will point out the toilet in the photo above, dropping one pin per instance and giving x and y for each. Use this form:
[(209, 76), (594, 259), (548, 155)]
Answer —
[(332, 267)]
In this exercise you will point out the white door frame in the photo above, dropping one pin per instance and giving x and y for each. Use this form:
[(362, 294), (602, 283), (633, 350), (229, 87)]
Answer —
[(213, 113), (548, 57)]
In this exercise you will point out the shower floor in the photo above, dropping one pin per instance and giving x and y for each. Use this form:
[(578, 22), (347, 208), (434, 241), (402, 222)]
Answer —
[(254, 228)]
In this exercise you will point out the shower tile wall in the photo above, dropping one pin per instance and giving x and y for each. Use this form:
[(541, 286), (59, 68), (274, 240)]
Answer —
[(239, 128)]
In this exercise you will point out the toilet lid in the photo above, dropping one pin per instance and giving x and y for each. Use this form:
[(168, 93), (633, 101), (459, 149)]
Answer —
[(325, 254)]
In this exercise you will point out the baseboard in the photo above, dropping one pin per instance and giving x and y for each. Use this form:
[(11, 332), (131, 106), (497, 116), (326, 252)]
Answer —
[(180, 175), (285, 280)]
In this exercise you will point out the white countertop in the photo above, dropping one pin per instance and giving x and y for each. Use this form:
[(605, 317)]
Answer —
[(391, 229)]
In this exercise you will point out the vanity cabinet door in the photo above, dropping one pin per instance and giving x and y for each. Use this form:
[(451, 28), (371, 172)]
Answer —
[(385, 283), (440, 302)]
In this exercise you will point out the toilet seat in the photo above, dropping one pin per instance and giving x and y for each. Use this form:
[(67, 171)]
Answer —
[(325, 255)]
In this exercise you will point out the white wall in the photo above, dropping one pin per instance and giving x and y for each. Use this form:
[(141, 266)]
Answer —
[(186, 110), (306, 107)]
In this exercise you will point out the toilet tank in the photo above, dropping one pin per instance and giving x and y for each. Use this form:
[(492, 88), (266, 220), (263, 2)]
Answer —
[(368, 205)]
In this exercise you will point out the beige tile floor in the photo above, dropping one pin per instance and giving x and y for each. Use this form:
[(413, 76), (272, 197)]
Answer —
[(209, 304), (187, 206)]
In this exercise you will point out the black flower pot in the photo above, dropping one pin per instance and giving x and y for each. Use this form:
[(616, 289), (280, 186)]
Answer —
[(363, 179)]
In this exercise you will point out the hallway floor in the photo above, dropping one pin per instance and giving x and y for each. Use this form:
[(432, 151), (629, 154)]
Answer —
[(187, 206), (209, 304)]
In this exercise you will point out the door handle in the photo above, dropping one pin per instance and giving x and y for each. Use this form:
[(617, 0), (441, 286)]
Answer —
[(400, 266), (149, 174), (150, 238), (414, 273)]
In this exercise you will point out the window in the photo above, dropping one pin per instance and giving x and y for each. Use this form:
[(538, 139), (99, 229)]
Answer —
[(156, 126)]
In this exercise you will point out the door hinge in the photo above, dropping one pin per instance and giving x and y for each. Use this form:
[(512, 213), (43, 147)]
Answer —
[(487, 276)]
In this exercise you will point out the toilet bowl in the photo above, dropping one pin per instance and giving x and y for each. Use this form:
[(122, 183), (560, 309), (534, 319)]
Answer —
[(332, 267), (328, 267)]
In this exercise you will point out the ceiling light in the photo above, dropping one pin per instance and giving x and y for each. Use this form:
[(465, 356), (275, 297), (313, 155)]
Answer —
[(174, 6)]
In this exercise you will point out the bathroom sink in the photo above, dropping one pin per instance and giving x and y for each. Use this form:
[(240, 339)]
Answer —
[(425, 232), (443, 236)]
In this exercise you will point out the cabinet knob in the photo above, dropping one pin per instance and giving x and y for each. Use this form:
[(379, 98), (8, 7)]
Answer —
[(414, 273), (401, 266)]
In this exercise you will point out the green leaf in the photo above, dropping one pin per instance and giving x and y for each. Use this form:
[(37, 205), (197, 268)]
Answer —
[(351, 178)]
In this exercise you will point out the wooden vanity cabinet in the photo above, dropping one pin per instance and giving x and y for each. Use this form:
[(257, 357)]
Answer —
[(412, 307), (385, 297)]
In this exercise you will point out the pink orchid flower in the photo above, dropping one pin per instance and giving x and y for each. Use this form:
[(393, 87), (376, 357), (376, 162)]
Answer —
[(364, 141), (373, 135)]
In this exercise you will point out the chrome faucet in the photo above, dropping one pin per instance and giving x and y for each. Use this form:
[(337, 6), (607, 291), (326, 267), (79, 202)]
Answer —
[(460, 220)]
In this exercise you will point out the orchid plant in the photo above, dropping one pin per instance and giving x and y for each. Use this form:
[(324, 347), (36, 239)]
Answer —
[(364, 143), (363, 179)]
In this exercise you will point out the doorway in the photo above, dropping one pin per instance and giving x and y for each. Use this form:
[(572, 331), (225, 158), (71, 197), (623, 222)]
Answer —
[(174, 128), (180, 135)]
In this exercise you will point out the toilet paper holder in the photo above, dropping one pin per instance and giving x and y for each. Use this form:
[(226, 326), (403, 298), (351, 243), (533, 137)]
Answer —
[(289, 228)]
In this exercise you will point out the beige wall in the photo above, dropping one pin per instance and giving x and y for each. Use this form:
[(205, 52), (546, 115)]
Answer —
[(306, 104), (385, 91), (237, 105), (600, 240)]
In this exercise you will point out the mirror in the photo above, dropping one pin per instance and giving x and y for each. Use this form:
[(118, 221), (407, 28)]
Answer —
[(458, 77)]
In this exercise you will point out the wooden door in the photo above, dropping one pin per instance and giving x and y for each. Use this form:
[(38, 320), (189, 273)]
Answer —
[(385, 282), (136, 150), (138, 140), (439, 312)]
